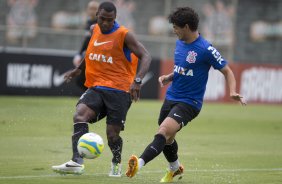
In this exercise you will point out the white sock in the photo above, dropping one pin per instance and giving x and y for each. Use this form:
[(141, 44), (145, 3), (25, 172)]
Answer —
[(173, 166), (141, 163)]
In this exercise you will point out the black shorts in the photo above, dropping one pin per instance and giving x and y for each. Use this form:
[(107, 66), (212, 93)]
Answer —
[(110, 103), (179, 111)]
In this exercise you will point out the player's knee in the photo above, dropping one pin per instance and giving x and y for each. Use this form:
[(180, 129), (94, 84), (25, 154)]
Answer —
[(112, 136), (163, 131), (169, 129), (170, 140), (166, 132), (113, 133), (77, 118), (83, 114)]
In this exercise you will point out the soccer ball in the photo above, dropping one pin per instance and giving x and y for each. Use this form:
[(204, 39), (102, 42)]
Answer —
[(90, 145)]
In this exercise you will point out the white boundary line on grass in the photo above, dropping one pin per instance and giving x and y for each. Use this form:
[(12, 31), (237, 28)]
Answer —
[(97, 174)]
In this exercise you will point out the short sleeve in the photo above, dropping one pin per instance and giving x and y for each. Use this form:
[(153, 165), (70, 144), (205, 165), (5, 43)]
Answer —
[(215, 59)]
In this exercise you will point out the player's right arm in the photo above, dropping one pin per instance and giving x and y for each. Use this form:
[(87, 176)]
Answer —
[(80, 67), (165, 79), (75, 72), (78, 57)]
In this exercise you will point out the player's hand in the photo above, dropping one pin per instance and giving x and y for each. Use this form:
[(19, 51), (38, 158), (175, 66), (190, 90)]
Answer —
[(238, 97), (163, 80), (76, 60), (71, 74), (135, 91)]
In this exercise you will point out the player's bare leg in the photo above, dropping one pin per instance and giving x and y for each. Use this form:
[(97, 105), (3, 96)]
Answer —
[(167, 130), (115, 143), (75, 165)]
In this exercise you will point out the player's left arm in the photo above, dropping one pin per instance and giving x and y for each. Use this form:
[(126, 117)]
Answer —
[(140, 51), (144, 58), (87, 37), (231, 82)]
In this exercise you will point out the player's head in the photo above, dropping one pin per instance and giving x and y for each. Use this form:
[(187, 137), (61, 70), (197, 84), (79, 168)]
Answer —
[(92, 9), (184, 20), (106, 16)]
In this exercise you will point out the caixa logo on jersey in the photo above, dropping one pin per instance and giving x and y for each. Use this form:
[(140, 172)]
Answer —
[(191, 58)]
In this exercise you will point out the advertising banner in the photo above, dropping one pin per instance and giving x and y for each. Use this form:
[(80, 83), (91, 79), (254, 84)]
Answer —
[(25, 74), (43, 75)]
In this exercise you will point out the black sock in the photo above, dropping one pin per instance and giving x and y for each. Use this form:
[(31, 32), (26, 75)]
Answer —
[(116, 148), (79, 130), (170, 152), (154, 149)]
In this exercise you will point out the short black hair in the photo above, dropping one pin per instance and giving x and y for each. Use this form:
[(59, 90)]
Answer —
[(182, 16), (108, 7)]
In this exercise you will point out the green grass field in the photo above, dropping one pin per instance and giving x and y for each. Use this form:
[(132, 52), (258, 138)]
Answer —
[(224, 144)]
